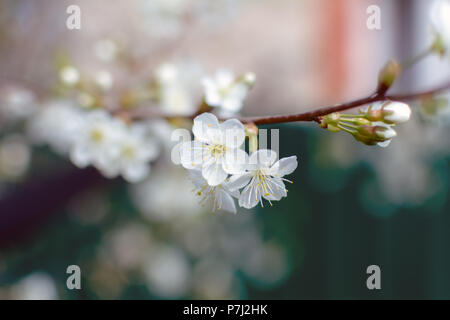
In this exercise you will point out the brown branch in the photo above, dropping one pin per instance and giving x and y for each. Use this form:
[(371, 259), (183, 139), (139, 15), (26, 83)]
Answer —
[(314, 115)]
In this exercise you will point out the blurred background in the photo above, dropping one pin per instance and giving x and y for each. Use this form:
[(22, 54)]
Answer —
[(350, 206)]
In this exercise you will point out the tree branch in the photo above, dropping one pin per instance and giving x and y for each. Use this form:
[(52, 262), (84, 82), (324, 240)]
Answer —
[(314, 115)]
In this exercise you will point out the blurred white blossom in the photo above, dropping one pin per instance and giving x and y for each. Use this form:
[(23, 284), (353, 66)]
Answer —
[(225, 91), (163, 18), (214, 279), (58, 123), (167, 272), (128, 244), (113, 147), (15, 155), (104, 80), (36, 286), (106, 50), (440, 19), (154, 197), (16, 104), (177, 87), (69, 75), (136, 150)]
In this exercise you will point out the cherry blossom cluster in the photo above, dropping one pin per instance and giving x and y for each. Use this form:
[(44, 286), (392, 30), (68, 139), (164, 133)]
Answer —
[(91, 120), (96, 138), (373, 125), (220, 168)]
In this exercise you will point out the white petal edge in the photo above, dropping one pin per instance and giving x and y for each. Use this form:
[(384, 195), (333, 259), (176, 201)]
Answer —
[(263, 157), (284, 166), (202, 123)]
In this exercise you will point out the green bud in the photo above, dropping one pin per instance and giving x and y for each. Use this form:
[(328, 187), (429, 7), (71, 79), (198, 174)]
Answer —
[(249, 79), (388, 74), (364, 139), (373, 134), (331, 121), (438, 45)]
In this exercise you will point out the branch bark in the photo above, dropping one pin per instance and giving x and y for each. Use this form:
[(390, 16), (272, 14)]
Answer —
[(304, 116)]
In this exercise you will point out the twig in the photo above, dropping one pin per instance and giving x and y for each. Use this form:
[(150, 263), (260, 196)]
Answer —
[(305, 116)]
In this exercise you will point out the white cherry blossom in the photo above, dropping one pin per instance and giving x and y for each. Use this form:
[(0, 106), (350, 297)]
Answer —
[(114, 148), (136, 150), (224, 91), (215, 150), (58, 124), (220, 196), (264, 178), (16, 104), (177, 84), (98, 140)]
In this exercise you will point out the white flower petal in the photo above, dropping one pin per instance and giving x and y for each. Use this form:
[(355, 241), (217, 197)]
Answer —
[(110, 171), (275, 189), (249, 196), (263, 158), (284, 166), (384, 144), (235, 161), (397, 112), (239, 91), (237, 182), (80, 155), (225, 201), (215, 136), (201, 125), (192, 154), (232, 104), (214, 173), (234, 133), (213, 99), (197, 178), (136, 172), (224, 77)]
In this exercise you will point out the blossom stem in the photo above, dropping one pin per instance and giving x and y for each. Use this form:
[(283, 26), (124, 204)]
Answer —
[(346, 129)]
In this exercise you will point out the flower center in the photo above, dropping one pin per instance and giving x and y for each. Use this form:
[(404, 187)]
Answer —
[(223, 92), (97, 135), (217, 150), (261, 182), (128, 152)]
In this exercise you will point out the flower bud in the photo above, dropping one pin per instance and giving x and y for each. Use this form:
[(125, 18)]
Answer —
[(384, 133), (388, 74), (396, 112), (248, 79), (364, 139), (391, 112), (331, 121), (372, 135), (69, 76), (438, 46)]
